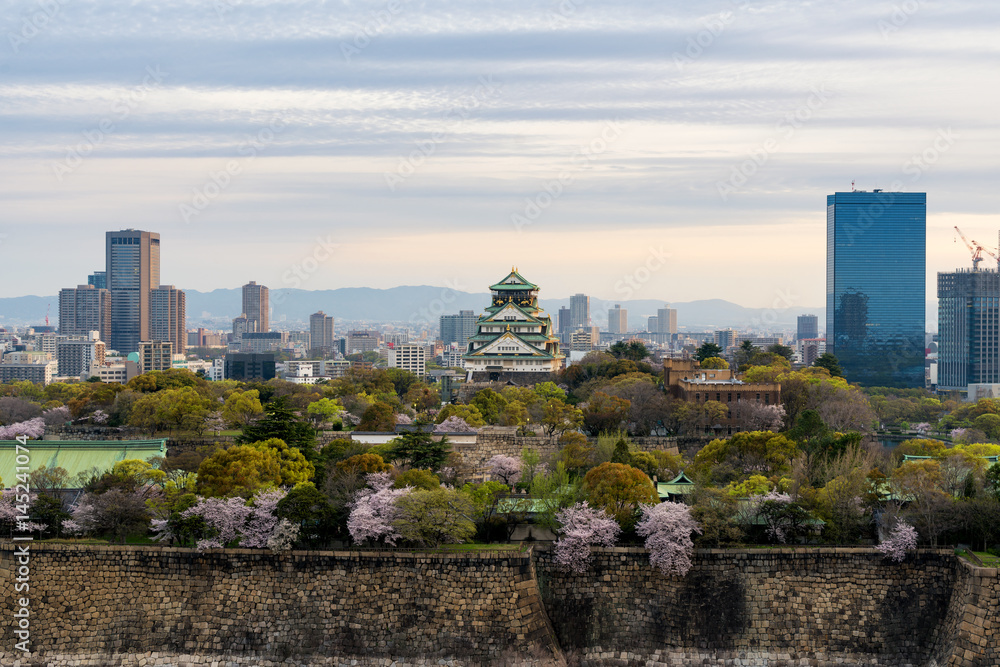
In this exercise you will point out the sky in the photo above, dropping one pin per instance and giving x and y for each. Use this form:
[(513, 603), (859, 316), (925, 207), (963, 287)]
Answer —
[(650, 150)]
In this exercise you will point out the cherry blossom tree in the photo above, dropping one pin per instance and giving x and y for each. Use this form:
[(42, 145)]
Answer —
[(99, 417), (453, 425), (667, 528), (374, 510), (33, 428), (903, 538), (9, 511), (760, 417), (583, 526), (224, 516), (403, 420), (505, 469), (56, 416)]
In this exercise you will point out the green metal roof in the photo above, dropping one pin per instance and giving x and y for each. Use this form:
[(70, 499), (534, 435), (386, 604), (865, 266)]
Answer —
[(519, 285), (76, 456), (678, 486), (912, 457)]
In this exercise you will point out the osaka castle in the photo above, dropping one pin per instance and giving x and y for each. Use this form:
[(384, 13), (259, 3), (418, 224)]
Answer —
[(514, 339)]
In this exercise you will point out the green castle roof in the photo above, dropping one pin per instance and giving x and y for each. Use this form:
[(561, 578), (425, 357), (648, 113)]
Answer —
[(514, 281)]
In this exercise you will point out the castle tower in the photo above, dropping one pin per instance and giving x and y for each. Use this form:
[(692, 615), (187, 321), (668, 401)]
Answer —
[(514, 338)]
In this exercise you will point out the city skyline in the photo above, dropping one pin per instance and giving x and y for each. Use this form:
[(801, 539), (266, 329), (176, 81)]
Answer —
[(625, 126)]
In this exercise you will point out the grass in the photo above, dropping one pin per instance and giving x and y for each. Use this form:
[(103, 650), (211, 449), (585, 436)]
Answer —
[(989, 560)]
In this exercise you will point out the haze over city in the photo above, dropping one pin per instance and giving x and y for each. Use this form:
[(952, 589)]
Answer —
[(417, 137)]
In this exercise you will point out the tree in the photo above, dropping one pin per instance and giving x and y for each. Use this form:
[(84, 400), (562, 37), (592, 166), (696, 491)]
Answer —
[(490, 404), (420, 450), (714, 363), (707, 350), (667, 528), (557, 417), (582, 526), (759, 417), (714, 510), (364, 464), (749, 452), (238, 471), (242, 408), (116, 513), (604, 413), (576, 452), (432, 518), (453, 424), (279, 421), (830, 362), (504, 469), (903, 538), (309, 509), (781, 350), (634, 350), (929, 508), (418, 479), (294, 467), (619, 490), (374, 511), (468, 413), (379, 417)]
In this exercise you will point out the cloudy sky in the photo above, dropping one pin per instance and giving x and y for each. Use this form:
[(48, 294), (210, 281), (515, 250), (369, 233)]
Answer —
[(684, 147)]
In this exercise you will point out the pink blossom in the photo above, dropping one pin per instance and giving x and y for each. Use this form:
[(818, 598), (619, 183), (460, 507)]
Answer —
[(454, 424), (56, 416), (667, 528), (505, 469), (403, 420), (225, 516), (903, 538), (583, 526), (263, 519), (33, 428), (99, 417), (374, 510)]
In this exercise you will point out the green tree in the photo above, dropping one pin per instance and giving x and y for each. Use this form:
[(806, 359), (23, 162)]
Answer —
[(748, 453), (280, 422), (238, 471), (294, 467), (432, 518), (619, 490), (470, 413), (782, 350), (557, 417), (419, 449), (714, 363), (634, 350), (828, 361), (575, 453), (242, 408), (707, 350), (418, 479), (309, 509), (490, 404), (324, 410), (605, 413), (364, 464)]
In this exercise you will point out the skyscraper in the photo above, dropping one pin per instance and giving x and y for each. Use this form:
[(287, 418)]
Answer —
[(133, 269), (98, 279), (666, 320), (84, 309), (255, 307), (808, 327), (564, 321), (968, 328), (458, 328), (168, 316), (875, 285), (579, 311), (617, 319), (321, 331)]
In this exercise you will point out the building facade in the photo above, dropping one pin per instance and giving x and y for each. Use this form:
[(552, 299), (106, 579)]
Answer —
[(514, 337), (808, 327), (409, 357), (155, 355), (256, 307), (968, 328), (84, 309), (617, 320), (321, 331), (168, 316), (458, 328), (98, 279), (133, 270), (361, 341), (579, 311), (875, 286), (666, 320), (79, 358), (260, 341), (243, 366)]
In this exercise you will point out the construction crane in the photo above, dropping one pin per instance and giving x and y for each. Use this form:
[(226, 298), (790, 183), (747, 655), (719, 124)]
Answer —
[(975, 249), (48, 307)]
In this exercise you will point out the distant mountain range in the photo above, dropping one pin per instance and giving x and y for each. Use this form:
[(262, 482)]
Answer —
[(424, 304)]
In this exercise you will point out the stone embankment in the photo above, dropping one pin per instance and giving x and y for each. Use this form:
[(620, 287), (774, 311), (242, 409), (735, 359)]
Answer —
[(101, 605)]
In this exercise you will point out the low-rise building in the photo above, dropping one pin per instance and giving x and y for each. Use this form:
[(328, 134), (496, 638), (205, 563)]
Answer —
[(409, 357), (40, 373)]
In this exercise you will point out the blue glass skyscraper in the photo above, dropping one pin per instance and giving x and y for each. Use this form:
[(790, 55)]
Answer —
[(876, 247)]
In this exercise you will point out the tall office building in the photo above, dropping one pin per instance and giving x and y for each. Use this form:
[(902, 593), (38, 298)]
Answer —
[(617, 320), (458, 328), (321, 331), (255, 307), (579, 311), (666, 320), (564, 321), (98, 279), (808, 327), (168, 316), (875, 285), (725, 338), (133, 270), (84, 309), (653, 324), (361, 341), (968, 328)]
